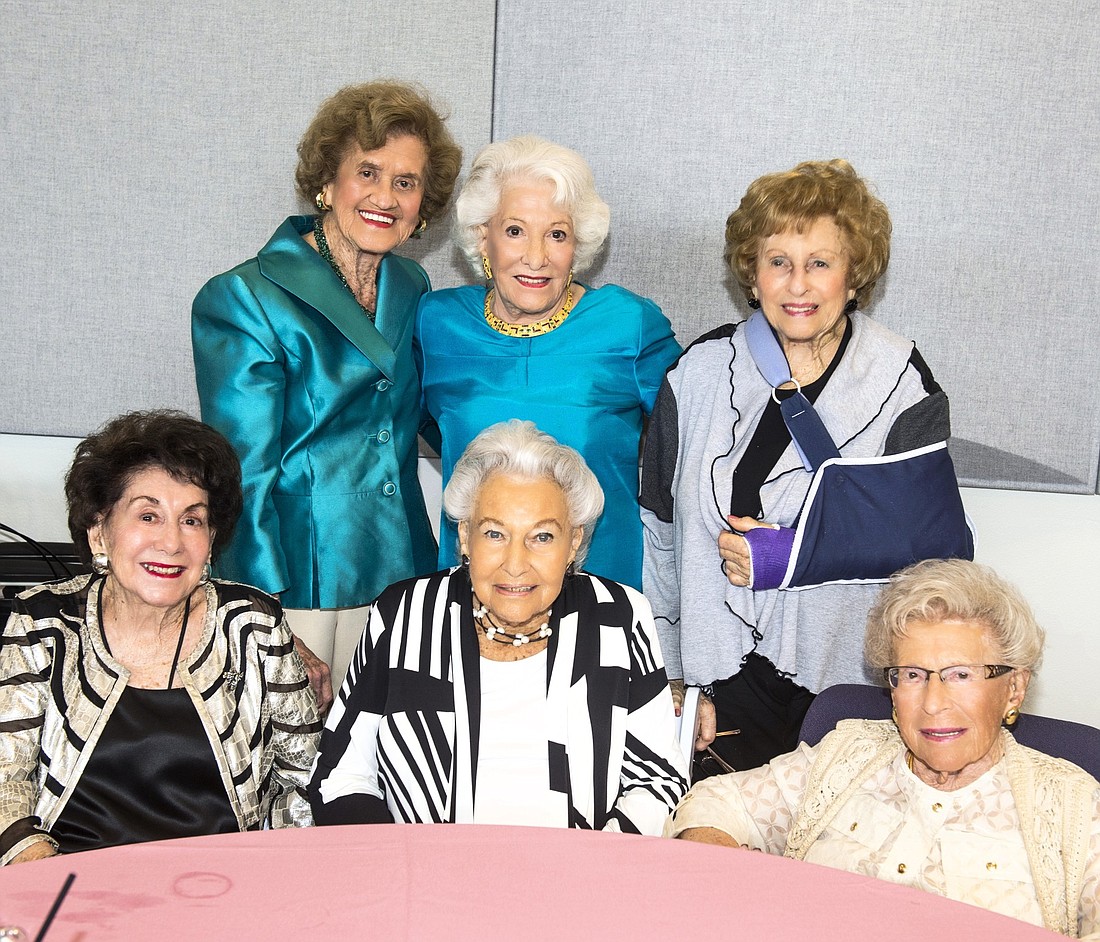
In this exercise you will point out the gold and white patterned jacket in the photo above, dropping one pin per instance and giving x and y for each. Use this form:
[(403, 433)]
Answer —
[(59, 686)]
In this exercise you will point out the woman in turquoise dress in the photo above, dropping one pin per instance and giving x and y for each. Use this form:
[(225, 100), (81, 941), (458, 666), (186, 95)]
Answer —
[(583, 363)]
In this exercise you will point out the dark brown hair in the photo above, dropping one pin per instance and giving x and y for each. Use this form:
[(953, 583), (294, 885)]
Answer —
[(172, 441)]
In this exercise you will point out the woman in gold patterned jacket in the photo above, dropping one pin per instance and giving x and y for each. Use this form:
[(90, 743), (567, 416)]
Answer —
[(148, 701)]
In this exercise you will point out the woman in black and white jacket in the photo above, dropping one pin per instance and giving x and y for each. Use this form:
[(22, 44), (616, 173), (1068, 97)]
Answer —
[(512, 689)]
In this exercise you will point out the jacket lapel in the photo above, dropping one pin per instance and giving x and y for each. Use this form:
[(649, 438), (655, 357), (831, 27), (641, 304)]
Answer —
[(466, 677), (291, 263), (398, 293)]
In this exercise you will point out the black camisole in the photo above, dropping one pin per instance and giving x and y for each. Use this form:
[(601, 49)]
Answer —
[(151, 776)]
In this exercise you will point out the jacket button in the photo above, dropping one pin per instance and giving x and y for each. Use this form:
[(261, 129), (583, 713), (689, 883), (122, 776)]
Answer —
[(901, 868), (382, 385), (383, 436), (389, 488)]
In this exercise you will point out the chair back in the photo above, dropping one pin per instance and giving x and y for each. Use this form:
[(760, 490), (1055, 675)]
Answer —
[(843, 702), (1064, 739)]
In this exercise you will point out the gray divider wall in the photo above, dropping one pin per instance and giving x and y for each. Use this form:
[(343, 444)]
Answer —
[(979, 123), (150, 147)]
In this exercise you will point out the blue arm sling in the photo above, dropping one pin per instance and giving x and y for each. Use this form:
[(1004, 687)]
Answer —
[(864, 518)]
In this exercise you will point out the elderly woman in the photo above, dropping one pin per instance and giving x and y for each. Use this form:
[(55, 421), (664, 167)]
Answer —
[(303, 359), (942, 798), (582, 363), (513, 689), (759, 582), (148, 701)]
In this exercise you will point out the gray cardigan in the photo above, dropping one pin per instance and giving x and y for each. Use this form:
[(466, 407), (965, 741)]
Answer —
[(881, 399)]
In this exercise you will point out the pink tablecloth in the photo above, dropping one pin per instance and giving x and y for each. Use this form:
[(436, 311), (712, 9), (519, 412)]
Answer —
[(396, 882)]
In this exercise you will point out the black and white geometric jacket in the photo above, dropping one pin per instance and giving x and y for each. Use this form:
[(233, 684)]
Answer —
[(401, 743)]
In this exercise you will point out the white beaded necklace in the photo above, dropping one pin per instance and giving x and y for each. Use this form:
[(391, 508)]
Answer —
[(495, 633)]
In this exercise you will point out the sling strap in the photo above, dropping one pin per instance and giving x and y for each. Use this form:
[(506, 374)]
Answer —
[(812, 440)]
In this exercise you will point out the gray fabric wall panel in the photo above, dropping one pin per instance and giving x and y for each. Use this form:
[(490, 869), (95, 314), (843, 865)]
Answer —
[(978, 123), (149, 147)]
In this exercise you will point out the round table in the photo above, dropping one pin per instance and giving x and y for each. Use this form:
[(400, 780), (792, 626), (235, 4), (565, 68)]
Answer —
[(458, 882)]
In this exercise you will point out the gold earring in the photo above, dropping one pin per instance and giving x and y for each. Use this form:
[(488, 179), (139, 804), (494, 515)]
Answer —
[(1012, 716), (420, 227), (319, 199), (894, 715), (486, 267)]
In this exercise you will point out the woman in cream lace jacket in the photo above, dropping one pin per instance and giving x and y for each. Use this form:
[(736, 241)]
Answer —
[(943, 798)]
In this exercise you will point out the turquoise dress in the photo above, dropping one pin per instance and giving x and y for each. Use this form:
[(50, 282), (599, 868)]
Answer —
[(590, 383)]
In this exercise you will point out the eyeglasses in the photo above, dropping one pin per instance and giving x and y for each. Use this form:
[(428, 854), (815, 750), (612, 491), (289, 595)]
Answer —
[(960, 675)]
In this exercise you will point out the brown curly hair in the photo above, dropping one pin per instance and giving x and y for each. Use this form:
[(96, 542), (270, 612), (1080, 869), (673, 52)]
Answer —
[(184, 447), (795, 199), (370, 114)]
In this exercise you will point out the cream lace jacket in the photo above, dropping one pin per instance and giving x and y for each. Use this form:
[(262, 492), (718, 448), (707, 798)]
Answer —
[(1023, 840)]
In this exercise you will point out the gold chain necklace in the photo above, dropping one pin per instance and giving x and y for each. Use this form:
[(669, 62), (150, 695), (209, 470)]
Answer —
[(544, 326)]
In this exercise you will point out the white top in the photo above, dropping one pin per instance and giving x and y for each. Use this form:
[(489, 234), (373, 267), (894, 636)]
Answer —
[(513, 767), (964, 844)]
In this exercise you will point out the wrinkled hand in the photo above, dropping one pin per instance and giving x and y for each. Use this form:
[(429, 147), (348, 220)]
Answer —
[(733, 549), (677, 689), (709, 836), (706, 718), (318, 674), (39, 850)]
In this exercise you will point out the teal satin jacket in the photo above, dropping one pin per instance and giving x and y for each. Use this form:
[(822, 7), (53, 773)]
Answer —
[(322, 407)]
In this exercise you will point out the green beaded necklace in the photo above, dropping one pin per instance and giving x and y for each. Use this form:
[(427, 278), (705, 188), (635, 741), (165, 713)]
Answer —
[(326, 254)]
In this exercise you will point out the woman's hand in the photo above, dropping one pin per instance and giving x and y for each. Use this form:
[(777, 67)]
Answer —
[(319, 675), (736, 563), (709, 836), (39, 850), (677, 689), (706, 718)]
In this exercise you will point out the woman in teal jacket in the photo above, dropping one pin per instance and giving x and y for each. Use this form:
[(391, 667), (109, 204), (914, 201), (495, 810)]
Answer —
[(303, 360)]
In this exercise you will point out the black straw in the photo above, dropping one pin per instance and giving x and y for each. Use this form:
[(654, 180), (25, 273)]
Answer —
[(55, 907)]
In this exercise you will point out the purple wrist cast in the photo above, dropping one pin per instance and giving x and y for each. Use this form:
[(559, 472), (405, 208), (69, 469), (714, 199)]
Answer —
[(770, 551)]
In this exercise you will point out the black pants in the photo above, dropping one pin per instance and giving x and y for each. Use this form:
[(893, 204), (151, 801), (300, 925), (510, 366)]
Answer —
[(768, 710)]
